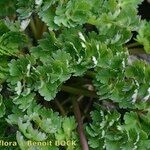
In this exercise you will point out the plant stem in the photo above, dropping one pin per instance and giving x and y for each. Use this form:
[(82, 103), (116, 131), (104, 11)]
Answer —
[(131, 45), (91, 74), (88, 106), (135, 51), (60, 107), (43, 29), (33, 28), (77, 113), (76, 91)]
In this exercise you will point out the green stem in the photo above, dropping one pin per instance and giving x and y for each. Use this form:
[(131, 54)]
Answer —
[(90, 74), (33, 28), (135, 51), (76, 91), (41, 27), (131, 45)]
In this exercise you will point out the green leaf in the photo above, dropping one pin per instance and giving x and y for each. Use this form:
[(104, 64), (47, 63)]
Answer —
[(11, 42), (2, 107), (143, 36), (7, 7), (24, 102)]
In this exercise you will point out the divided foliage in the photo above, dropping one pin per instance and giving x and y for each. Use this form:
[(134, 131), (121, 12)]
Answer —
[(33, 71)]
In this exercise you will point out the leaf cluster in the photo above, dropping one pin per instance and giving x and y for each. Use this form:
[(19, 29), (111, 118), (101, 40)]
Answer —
[(45, 45)]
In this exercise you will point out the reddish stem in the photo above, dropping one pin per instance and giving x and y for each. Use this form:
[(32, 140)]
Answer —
[(83, 139)]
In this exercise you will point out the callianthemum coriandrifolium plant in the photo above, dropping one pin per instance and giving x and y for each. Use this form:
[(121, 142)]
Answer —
[(63, 60)]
